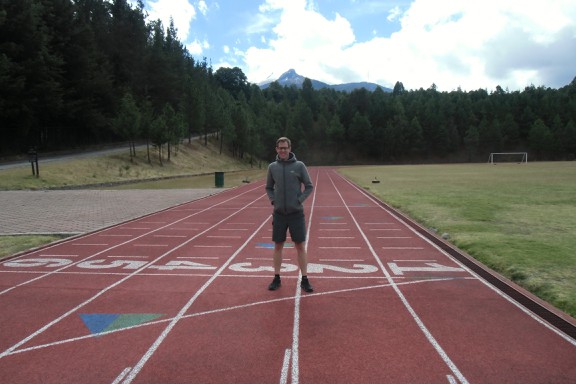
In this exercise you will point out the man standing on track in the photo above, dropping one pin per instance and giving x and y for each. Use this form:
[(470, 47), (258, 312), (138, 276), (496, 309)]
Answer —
[(284, 182)]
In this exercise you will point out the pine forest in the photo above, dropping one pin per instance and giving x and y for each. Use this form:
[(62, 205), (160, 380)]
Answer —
[(75, 73)]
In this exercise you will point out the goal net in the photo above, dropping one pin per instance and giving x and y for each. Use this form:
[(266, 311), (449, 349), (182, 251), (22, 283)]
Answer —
[(508, 157)]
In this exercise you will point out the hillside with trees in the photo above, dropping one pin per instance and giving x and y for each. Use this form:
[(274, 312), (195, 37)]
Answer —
[(83, 72)]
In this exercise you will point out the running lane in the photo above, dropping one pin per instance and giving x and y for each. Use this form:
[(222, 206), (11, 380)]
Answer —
[(180, 296)]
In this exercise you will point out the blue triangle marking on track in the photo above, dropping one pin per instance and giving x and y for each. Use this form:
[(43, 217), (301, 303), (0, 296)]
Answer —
[(98, 322), (102, 322)]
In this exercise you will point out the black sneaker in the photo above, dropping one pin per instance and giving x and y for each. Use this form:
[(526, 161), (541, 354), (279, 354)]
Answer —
[(275, 284), (305, 285)]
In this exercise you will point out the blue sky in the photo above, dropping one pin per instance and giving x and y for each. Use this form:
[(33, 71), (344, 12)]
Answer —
[(464, 44)]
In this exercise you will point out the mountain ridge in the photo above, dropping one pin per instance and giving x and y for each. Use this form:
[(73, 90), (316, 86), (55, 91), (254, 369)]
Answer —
[(290, 78)]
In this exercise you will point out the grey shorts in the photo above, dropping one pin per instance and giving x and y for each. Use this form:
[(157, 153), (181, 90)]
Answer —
[(295, 223)]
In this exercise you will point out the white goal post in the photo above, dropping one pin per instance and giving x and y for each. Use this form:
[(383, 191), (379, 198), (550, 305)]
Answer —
[(508, 157)]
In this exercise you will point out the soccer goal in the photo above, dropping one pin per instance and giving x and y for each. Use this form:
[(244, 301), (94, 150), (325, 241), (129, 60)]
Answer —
[(508, 157)]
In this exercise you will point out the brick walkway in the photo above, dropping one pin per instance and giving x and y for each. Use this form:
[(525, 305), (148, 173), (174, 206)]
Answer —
[(74, 212)]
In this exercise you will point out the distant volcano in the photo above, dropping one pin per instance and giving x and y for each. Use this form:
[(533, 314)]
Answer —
[(290, 78)]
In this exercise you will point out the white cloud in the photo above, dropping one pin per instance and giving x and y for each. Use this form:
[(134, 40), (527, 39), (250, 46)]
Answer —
[(394, 13), (181, 11), (203, 7), (197, 47), (451, 43)]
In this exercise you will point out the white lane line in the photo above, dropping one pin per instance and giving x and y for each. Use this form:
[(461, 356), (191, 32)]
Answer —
[(48, 255), (138, 367), (122, 375), (296, 327), (296, 332), (403, 298), (150, 245), (136, 228), (212, 246), (129, 257), (285, 366), (199, 257)]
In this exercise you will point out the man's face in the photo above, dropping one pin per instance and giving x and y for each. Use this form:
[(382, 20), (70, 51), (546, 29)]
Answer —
[(283, 150)]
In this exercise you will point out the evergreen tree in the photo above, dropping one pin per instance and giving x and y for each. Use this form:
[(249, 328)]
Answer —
[(32, 93), (398, 89), (127, 123), (335, 133), (233, 80), (540, 139), (510, 132), (309, 97), (360, 132), (568, 138), (471, 142)]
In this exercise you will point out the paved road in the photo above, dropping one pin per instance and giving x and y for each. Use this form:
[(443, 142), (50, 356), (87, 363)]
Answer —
[(47, 158), (81, 211)]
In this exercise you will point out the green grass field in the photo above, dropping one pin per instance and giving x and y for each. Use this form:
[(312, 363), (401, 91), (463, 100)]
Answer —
[(519, 220)]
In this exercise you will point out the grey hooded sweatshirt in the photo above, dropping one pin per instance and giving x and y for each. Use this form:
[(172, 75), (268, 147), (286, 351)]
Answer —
[(284, 185)]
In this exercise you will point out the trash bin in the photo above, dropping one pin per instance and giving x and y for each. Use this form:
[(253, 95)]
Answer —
[(219, 179)]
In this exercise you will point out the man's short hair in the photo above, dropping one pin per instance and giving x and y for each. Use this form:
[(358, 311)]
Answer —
[(284, 140)]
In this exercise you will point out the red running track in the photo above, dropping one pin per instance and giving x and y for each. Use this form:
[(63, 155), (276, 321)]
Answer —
[(180, 296)]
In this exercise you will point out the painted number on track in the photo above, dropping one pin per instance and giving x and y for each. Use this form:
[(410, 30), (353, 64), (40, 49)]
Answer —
[(430, 267), (172, 265), (102, 264), (312, 268), (29, 263), (183, 265)]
